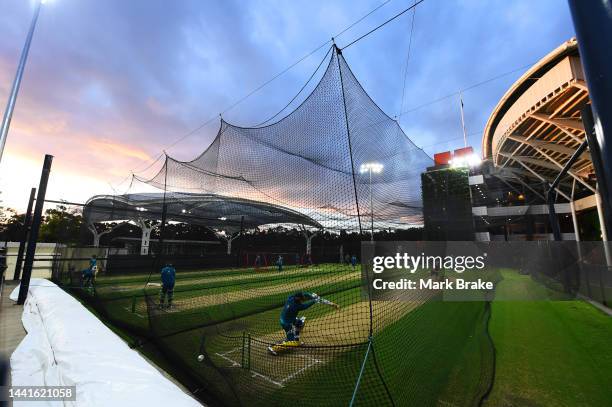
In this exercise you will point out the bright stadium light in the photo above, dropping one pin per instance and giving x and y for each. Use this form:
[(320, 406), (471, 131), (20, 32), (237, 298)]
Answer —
[(376, 168), (471, 161), (373, 167)]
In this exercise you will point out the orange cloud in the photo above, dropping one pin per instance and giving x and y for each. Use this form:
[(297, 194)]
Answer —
[(49, 126), (111, 147)]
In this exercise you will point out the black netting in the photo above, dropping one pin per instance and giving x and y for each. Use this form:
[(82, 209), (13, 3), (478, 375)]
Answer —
[(290, 204), (315, 161)]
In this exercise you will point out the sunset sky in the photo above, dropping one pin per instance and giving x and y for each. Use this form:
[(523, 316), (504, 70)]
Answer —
[(110, 84)]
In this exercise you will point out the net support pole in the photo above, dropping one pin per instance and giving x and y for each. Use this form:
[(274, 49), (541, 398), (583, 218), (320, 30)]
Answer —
[(10, 105), (31, 249), (24, 238), (243, 350), (603, 210), (348, 134), (239, 234), (162, 228), (164, 213), (554, 222), (363, 365), (249, 351), (463, 120), (371, 209), (593, 25)]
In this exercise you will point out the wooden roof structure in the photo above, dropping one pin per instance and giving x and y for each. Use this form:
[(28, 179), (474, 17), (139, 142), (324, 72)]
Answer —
[(536, 126)]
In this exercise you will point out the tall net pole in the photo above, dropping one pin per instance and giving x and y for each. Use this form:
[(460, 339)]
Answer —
[(10, 106), (24, 239), (465, 143), (33, 237), (348, 134)]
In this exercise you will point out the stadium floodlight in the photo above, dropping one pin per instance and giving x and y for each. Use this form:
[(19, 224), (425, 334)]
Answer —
[(376, 168), (470, 161), (10, 105), (371, 167)]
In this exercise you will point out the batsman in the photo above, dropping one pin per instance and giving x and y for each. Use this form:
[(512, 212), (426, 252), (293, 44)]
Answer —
[(291, 323)]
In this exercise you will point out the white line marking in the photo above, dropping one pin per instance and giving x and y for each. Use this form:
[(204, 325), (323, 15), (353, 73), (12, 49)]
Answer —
[(233, 362), (311, 362), (255, 374), (229, 351), (173, 309), (297, 372)]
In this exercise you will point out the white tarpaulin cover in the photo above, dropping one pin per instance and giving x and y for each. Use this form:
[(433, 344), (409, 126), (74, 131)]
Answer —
[(67, 345)]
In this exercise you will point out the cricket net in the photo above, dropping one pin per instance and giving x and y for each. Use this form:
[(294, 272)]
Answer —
[(314, 184)]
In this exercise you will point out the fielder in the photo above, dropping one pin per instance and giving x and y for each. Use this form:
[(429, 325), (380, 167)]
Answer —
[(291, 323), (168, 278)]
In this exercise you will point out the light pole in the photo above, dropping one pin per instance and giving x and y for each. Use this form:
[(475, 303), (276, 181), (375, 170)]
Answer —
[(370, 168), (10, 106)]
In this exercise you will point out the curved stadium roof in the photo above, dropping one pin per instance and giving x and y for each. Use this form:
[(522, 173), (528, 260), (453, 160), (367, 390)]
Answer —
[(536, 126), (210, 210)]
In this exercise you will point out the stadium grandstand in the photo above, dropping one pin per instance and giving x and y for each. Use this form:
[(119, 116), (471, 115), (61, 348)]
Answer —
[(532, 133)]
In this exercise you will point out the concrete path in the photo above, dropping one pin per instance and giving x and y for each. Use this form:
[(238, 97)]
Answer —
[(11, 329)]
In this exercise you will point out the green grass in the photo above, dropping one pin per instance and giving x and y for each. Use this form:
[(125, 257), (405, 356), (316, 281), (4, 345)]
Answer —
[(207, 315), (141, 278), (431, 355), (198, 287), (228, 335), (549, 353), (199, 314)]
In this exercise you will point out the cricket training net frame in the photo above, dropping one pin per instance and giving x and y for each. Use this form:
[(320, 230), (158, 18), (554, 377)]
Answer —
[(343, 170)]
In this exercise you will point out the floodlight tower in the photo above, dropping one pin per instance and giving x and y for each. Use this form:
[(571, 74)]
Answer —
[(376, 168), (10, 105)]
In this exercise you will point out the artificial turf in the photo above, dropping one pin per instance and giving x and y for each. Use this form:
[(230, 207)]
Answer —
[(547, 351), (197, 313), (192, 287)]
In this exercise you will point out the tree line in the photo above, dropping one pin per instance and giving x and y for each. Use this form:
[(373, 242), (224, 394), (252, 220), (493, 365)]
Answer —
[(65, 224)]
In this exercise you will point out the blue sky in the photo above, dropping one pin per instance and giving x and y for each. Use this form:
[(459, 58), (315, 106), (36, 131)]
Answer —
[(110, 84)]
